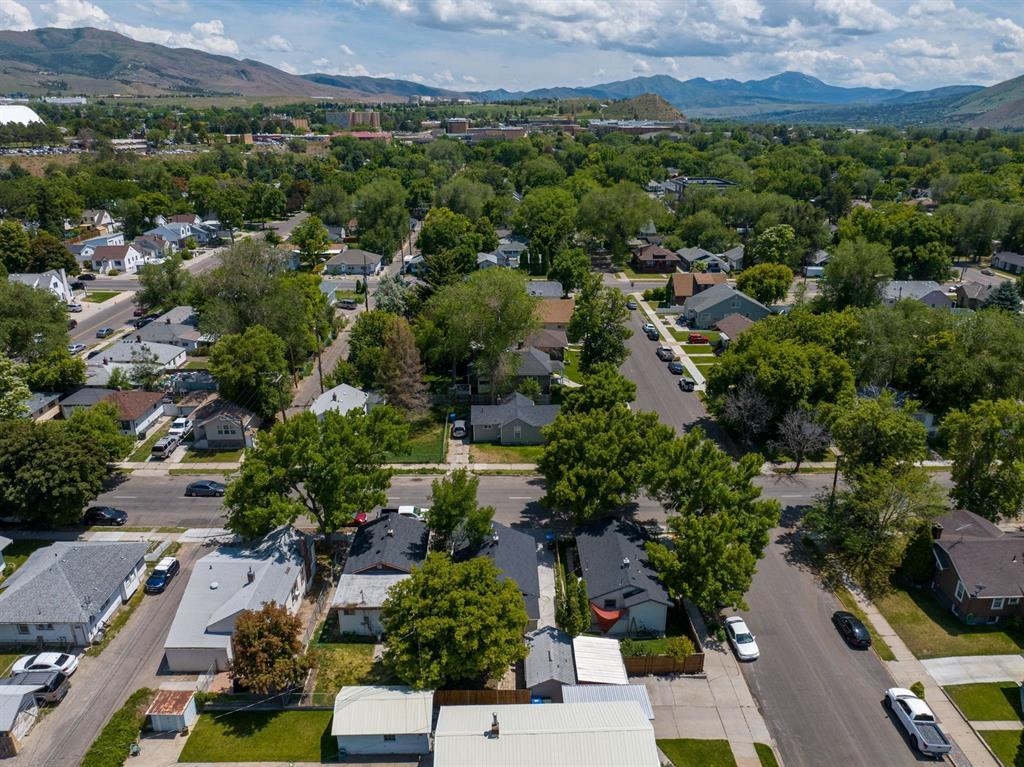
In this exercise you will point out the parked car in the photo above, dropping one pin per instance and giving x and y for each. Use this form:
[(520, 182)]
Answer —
[(142, 322), (742, 641), (631, 304), (76, 285), (653, 335), (360, 518), (665, 354), (917, 718), (75, 308), (347, 303), (76, 348), (104, 332), (51, 686), (162, 574), (64, 662), (697, 338), (180, 428), (207, 488), (105, 515), (459, 430), (163, 447), (93, 353), (87, 276), (414, 512), (687, 384), (675, 367), (852, 630), (72, 324), (138, 311), (647, 327)]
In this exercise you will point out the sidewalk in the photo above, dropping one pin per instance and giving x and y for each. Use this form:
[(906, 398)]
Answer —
[(969, 749), (671, 342)]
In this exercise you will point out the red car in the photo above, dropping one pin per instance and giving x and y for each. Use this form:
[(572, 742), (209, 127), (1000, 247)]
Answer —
[(697, 338), (138, 312)]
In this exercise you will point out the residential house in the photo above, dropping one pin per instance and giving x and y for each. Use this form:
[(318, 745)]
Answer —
[(415, 265), (137, 410), (40, 405), (153, 249), (383, 553), (979, 569), (515, 421), (566, 734), (552, 342), (191, 219), (654, 259), (223, 425), (555, 313), (354, 261), (98, 221), (625, 594), (732, 326), (819, 258), (973, 295), (538, 365), (544, 288), (83, 398), (55, 280), (277, 568), (382, 720), (175, 234), (690, 256), (84, 250), (131, 351), (341, 399), (550, 664), (732, 259), (928, 292), (511, 251), (177, 327), (1009, 262), (4, 543), (121, 258), (684, 285), (18, 712), (718, 302), (514, 553), (67, 592), (330, 290)]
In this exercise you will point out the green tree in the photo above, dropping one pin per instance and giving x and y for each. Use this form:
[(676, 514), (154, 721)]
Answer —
[(267, 655), (599, 324), (775, 245), (455, 517), (871, 523), (465, 196), (1004, 297), (613, 215), (451, 623), (330, 202), (33, 323), (768, 283), (547, 219), (444, 230), (100, 427), (251, 370), (603, 388), (14, 393), (401, 373), (856, 274), (570, 267), (164, 286), (140, 212), (48, 252), (55, 371), (393, 296), (572, 606), (311, 238), (878, 431), (15, 248), (366, 345), (594, 462), (986, 443), (146, 370), (383, 220), (328, 469)]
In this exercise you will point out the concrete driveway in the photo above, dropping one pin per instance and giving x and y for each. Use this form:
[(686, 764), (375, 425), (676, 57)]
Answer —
[(978, 668)]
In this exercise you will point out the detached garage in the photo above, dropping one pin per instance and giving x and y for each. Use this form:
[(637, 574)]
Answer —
[(382, 720)]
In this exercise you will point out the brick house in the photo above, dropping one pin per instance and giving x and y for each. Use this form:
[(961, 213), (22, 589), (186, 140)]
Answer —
[(683, 285), (654, 259)]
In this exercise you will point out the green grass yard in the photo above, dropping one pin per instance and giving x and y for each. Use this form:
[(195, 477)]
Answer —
[(258, 736), (99, 296), (699, 349), (766, 755), (987, 702), (1008, 746), (426, 443), (18, 551), (572, 365), (505, 453), (688, 752), (211, 456), (930, 631), (341, 664)]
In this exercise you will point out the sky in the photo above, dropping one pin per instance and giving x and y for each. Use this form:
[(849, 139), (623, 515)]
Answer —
[(468, 45)]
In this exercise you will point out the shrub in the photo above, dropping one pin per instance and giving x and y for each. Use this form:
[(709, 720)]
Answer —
[(918, 689), (113, 272), (654, 294), (680, 647), (110, 749), (630, 648)]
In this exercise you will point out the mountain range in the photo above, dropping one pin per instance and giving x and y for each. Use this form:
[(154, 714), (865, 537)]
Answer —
[(98, 62)]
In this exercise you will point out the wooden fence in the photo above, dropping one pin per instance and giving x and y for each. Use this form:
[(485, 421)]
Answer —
[(664, 664), (479, 697)]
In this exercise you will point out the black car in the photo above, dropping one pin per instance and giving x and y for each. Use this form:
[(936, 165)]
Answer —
[(205, 487), (852, 630), (162, 574), (78, 285), (87, 276), (105, 515), (675, 367), (653, 335)]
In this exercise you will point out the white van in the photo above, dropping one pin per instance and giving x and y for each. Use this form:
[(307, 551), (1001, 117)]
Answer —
[(163, 447)]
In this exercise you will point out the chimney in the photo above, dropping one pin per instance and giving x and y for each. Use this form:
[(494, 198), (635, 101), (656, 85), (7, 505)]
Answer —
[(138, 338), (250, 576), (936, 531), (334, 397), (390, 532), (167, 321), (494, 726), (625, 561)]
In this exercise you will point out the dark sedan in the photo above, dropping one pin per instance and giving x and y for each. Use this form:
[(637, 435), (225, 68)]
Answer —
[(675, 367), (105, 515), (206, 488), (851, 629)]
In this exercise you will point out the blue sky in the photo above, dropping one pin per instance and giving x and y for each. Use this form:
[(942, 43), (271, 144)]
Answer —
[(523, 44)]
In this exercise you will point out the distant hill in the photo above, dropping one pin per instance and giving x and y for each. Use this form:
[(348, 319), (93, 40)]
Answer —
[(381, 86), (1000, 106), (646, 106)]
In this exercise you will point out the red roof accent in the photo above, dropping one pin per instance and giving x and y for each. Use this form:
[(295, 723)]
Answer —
[(605, 618)]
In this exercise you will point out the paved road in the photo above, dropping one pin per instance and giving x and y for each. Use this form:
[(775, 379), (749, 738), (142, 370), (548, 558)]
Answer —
[(160, 501), (103, 683)]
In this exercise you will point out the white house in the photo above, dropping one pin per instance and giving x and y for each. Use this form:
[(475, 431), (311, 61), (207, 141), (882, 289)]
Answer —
[(354, 261), (225, 583), (341, 399), (66, 592), (54, 280), (129, 351), (382, 720), (122, 258)]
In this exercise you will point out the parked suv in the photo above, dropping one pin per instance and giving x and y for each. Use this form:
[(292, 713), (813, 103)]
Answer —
[(665, 354), (164, 447), (697, 338), (162, 574), (51, 686)]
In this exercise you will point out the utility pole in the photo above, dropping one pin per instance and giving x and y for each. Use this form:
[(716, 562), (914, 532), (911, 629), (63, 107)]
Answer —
[(319, 358), (366, 284)]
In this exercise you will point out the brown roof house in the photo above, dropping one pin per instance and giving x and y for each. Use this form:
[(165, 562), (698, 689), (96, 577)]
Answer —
[(686, 284), (733, 326), (551, 342), (223, 425), (555, 313), (137, 410), (654, 259), (979, 569)]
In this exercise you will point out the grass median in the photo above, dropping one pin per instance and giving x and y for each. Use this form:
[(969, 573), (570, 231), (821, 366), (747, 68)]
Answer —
[(690, 752), (987, 701)]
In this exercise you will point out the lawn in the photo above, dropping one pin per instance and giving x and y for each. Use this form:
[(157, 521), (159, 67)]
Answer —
[(347, 663), (1008, 745), (99, 296), (505, 453), (882, 650), (933, 632), (987, 702), (212, 456), (426, 443), (197, 363), (688, 752), (7, 660), (18, 551), (262, 736), (572, 365), (142, 452), (698, 349), (766, 755)]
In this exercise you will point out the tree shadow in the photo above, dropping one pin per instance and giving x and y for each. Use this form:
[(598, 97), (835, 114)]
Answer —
[(115, 479)]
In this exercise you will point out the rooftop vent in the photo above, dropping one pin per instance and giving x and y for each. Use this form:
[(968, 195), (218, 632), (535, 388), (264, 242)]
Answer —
[(250, 576), (625, 561), (494, 726), (214, 586), (390, 532)]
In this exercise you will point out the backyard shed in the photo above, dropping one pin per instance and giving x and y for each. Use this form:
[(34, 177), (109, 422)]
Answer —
[(383, 720), (598, 661), (18, 712), (173, 710)]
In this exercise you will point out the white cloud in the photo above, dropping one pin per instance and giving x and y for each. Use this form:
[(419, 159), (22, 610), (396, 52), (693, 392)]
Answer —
[(284, 66), (75, 13), (1009, 37), (321, 63), (930, 7), (170, 7), (915, 47), (14, 15), (640, 66), (857, 16), (671, 63), (276, 43), (444, 76), (346, 50), (470, 79)]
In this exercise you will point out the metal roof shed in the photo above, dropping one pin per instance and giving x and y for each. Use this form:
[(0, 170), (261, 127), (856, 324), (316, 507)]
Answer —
[(383, 720), (603, 693), (598, 661), (173, 710)]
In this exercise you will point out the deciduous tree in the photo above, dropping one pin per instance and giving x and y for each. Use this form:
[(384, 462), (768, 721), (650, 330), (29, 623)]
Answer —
[(267, 655), (547, 219), (775, 245), (599, 324), (15, 248), (164, 286), (856, 274), (455, 516), (13, 391), (878, 431), (570, 267), (767, 283), (311, 238), (251, 370), (798, 435)]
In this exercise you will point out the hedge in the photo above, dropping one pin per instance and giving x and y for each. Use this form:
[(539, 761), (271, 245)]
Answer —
[(110, 749)]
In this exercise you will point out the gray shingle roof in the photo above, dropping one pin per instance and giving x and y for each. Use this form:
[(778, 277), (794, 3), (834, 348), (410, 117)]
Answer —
[(714, 295), (354, 257), (534, 362), (515, 554), (516, 407), (550, 657), (67, 582), (989, 562), (896, 290), (604, 546), (544, 288), (402, 549)]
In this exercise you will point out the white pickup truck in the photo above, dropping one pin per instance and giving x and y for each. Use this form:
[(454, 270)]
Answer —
[(918, 720)]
